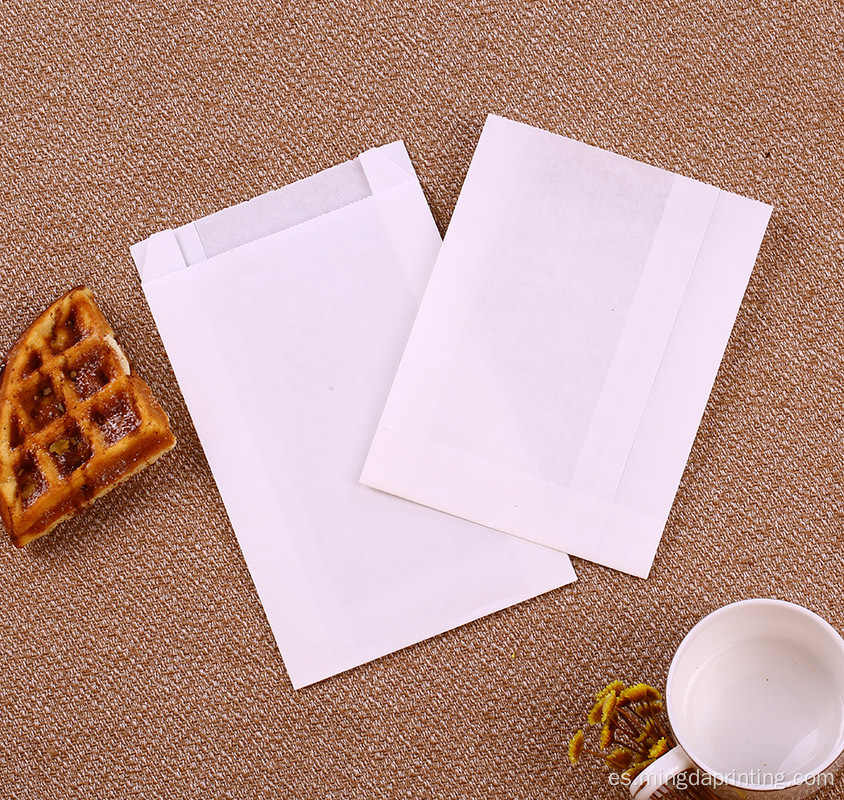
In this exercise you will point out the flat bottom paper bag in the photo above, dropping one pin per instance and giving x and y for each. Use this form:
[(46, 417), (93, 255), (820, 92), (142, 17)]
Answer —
[(284, 319), (566, 345)]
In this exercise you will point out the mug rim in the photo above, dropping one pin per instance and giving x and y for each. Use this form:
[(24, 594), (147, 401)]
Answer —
[(770, 601)]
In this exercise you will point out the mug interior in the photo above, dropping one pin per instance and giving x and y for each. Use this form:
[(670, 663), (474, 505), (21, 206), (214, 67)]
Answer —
[(755, 694)]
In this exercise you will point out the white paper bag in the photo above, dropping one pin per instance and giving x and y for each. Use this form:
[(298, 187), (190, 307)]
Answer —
[(284, 319), (566, 345)]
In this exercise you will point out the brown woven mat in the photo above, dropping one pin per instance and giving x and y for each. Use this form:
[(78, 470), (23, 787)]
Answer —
[(136, 660)]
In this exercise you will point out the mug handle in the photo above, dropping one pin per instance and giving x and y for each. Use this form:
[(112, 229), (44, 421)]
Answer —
[(650, 780)]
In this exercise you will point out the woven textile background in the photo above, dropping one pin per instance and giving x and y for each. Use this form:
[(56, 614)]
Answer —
[(135, 659)]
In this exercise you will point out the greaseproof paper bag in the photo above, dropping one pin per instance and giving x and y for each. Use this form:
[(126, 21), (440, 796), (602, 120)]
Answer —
[(284, 319), (565, 348)]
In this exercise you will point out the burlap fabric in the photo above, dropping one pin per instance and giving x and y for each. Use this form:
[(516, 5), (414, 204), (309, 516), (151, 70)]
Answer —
[(136, 660)]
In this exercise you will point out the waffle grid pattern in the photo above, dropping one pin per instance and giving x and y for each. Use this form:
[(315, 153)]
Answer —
[(75, 420)]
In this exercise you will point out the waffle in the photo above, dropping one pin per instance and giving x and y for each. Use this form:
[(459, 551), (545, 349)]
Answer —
[(74, 420)]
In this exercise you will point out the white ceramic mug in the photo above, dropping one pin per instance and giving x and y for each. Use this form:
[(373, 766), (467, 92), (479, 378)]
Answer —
[(755, 697)]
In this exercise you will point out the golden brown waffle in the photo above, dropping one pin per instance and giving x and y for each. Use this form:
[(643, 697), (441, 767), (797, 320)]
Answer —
[(74, 421)]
